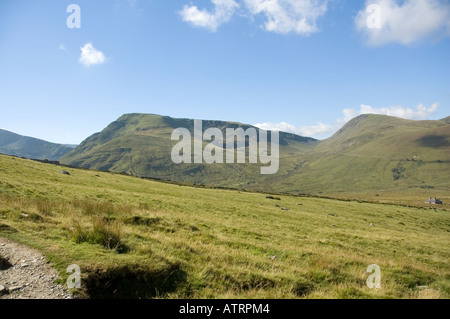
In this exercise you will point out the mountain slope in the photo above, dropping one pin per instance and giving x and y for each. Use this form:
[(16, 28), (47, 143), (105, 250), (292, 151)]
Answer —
[(376, 153), (371, 153), (141, 145), (29, 147)]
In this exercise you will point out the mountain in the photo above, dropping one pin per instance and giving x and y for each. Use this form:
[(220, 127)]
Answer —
[(379, 153), (141, 145), (446, 120), (371, 153), (29, 147)]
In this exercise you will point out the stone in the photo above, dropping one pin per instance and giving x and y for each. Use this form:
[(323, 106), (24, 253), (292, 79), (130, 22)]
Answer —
[(14, 288), (3, 290)]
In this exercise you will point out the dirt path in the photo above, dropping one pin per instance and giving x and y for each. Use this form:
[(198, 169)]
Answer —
[(29, 276)]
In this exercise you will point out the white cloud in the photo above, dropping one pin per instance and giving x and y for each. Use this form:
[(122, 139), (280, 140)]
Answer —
[(420, 113), (223, 11), (321, 130), (62, 47), (284, 16), (314, 130), (405, 21), (91, 56), (132, 3)]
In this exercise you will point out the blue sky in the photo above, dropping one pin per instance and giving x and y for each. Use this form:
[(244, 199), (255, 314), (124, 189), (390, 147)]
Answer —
[(305, 66)]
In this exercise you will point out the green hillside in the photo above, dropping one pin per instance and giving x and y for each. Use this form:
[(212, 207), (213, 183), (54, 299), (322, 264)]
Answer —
[(379, 155), (373, 156), (140, 145), (28, 147), (137, 238)]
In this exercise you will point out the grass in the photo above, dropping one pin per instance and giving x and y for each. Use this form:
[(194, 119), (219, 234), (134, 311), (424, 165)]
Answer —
[(184, 242)]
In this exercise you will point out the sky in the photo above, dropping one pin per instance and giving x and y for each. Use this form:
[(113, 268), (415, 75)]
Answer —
[(304, 66)]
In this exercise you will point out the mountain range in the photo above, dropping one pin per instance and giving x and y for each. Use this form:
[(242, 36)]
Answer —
[(29, 147), (371, 153)]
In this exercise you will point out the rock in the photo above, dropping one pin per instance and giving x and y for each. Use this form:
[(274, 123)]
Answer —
[(284, 208), (274, 258), (3, 290), (4, 263), (14, 288), (64, 172), (24, 265), (272, 197), (333, 226), (372, 225)]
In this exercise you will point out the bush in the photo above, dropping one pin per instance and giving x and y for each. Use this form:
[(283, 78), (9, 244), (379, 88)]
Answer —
[(398, 171), (103, 233)]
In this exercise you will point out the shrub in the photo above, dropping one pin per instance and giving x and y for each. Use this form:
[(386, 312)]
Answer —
[(398, 171), (103, 233)]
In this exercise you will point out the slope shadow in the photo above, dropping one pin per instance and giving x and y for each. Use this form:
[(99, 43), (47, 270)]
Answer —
[(127, 282), (434, 141)]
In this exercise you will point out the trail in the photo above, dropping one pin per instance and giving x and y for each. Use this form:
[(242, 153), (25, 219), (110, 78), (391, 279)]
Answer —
[(29, 277)]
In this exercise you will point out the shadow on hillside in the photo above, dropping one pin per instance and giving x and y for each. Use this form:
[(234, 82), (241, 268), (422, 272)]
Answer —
[(434, 141), (128, 282)]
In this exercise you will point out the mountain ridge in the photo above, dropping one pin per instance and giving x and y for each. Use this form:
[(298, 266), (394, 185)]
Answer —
[(30, 147), (362, 155)]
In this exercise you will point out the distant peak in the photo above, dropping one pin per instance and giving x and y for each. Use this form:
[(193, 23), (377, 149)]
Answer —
[(446, 119)]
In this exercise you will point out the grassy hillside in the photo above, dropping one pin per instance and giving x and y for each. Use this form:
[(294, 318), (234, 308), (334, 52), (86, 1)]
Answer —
[(140, 238), (140, 145), (374, 157), (28, 147), (379, 155)]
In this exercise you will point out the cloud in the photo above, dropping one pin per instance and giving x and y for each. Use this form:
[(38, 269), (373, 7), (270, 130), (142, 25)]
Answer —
[(62, 47), (282, 16), (132, 3), (91, 56), (223, 11), (405, 21), (420, 113), (324, 130), (314, 130), (285, 16)]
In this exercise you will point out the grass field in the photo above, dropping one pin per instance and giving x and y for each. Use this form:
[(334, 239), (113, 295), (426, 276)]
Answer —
[(139, 238)]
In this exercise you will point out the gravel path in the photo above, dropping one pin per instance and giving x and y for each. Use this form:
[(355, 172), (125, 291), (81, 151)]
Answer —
[(29, 276)]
